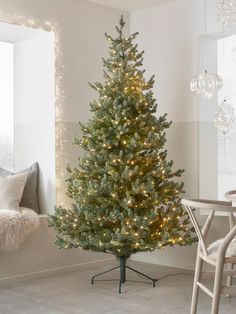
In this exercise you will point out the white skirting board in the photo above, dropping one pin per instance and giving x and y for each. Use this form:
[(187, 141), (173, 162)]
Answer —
[(39, 256), (48, 272)]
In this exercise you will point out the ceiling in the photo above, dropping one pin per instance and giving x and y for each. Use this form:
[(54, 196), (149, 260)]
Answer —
[(130, 5)]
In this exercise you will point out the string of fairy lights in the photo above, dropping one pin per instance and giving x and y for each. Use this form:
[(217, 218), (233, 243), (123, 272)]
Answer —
[(129, 224), (50, 26)]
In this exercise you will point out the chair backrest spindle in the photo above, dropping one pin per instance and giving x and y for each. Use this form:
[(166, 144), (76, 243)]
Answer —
[(200, 233), (231, 196)]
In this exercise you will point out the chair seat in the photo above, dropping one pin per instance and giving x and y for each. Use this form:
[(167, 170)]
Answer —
[(213, 249)]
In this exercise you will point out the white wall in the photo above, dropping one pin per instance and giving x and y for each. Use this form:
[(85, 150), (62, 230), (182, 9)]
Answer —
[(34, 113), (169, 34), (208, 138), (82, 26), (39, 256)]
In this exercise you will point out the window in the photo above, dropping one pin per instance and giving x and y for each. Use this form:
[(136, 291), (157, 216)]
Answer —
[(7, 105), (227, 144)]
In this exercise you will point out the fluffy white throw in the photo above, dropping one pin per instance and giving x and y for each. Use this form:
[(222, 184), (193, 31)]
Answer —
[(213, 249), (15, 226)]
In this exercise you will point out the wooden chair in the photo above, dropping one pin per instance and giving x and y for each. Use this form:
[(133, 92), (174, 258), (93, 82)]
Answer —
[(231, 196), (203, 255)]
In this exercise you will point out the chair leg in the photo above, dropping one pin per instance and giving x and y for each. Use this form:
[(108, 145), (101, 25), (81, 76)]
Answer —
[(230, 266), (197, 277), (229, 278), (217, 286)]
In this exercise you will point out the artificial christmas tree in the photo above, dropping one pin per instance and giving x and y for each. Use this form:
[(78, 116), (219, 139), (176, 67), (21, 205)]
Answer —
[(125, 197)]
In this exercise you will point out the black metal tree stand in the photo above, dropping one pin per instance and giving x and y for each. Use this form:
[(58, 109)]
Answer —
[(123, 266)]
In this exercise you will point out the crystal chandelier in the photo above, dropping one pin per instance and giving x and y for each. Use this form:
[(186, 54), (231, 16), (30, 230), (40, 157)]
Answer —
[(206, 84), (227, 12), (224, 117)]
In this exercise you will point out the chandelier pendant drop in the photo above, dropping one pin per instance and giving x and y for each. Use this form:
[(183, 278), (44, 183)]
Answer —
[(227, 12), (206, 84), (224, 117)]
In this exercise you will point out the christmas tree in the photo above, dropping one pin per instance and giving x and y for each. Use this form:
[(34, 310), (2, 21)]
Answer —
[(126, 199)]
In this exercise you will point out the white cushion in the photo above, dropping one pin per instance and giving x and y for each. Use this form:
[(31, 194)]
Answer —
[(213, 249), (11, 190)]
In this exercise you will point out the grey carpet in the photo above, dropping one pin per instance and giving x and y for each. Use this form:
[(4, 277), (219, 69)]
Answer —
[(72, 293)]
